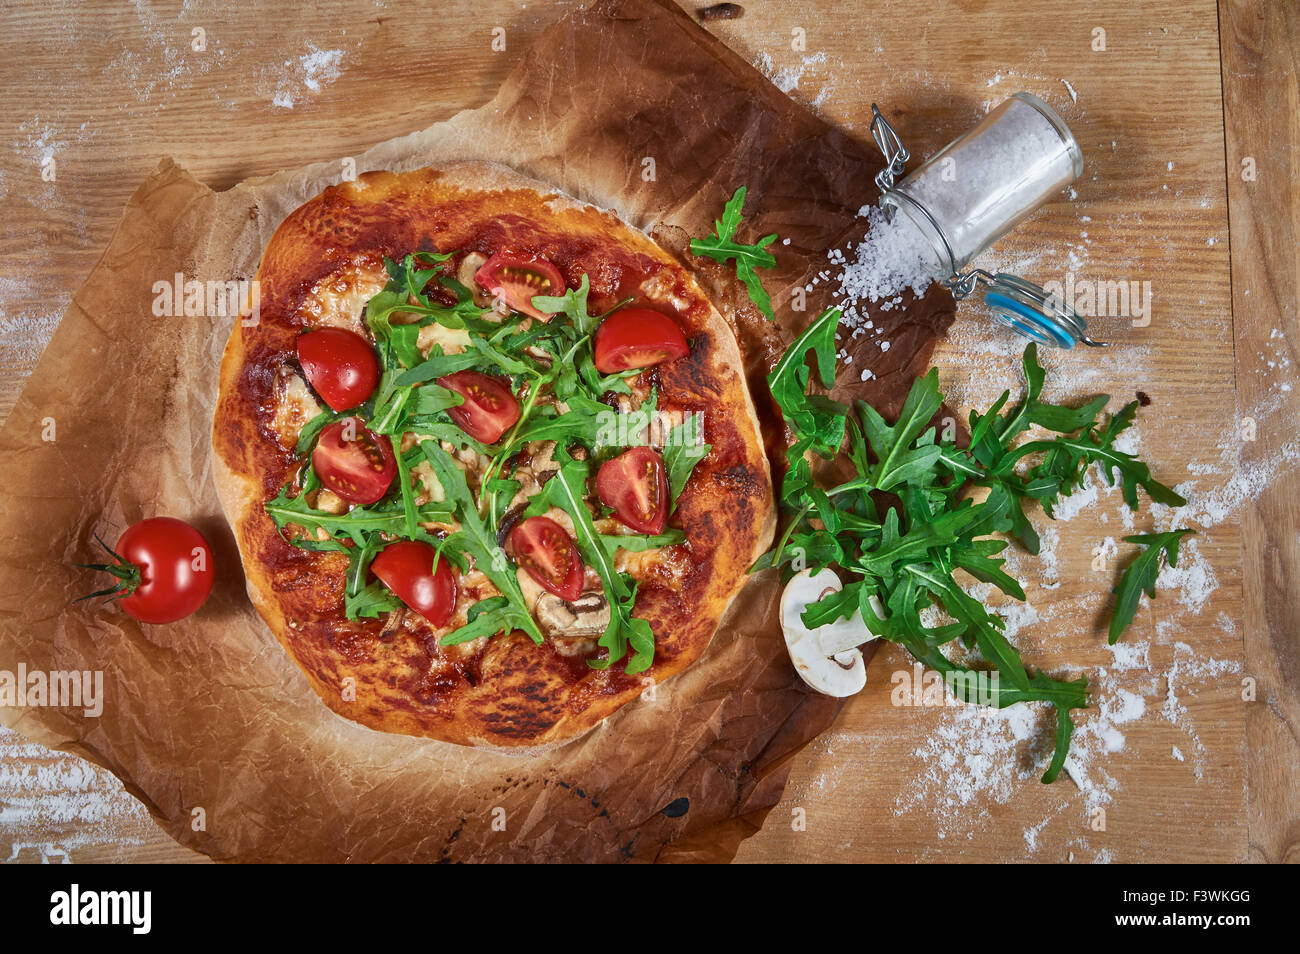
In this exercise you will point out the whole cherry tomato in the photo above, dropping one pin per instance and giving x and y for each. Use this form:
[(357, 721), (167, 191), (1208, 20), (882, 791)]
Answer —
[(164, 570)]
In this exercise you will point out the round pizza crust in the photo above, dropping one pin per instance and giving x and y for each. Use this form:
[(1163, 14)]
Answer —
[(506, 692)]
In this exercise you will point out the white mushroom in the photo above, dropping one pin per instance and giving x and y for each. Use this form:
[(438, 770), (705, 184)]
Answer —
[(827, 658), (469, 265)]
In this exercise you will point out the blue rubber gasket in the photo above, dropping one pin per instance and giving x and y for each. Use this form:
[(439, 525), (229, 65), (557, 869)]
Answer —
[(1031, 323)]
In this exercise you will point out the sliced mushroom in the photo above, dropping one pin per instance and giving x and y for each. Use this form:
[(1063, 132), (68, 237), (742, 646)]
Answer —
[(845, 634), (539, 467), (393, 624), (588, 615), (469, 266), (542, 459), (826, 658), (572, 627), (430, 489), (450, 340)]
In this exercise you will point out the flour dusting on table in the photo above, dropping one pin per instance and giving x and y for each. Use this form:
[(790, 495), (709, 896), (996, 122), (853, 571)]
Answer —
[(307, 73), (52, 804)]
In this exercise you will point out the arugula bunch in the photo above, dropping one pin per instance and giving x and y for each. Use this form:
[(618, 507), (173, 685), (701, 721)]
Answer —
[(542, 359), (904, 525)]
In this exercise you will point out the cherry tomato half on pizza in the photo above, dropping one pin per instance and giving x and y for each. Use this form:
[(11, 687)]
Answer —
[(341, 366), (517, 279), (637, 338), (406, 568), (354, 462), (548, 554), (635, 485), (163, 567), (489, 409)]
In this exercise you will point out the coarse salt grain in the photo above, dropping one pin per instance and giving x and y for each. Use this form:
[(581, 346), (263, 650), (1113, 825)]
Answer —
[(893, 258)]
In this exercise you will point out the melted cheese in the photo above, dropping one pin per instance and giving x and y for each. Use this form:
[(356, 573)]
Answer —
[(339, 300), (452, 340), (294, 407), (432, 488)]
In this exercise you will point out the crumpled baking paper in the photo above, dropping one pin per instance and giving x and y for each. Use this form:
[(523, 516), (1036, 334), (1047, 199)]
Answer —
[(627, 104)]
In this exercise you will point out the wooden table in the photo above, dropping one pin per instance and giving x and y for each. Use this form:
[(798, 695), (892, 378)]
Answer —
[(1187, 117)]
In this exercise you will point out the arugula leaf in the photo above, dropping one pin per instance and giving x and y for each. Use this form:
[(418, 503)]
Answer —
[(372, 601), (639, 542), (436, 366), (722, 247), (898, 461), (582, 421), (485, 618), (573, 304), (565, 490), (477, 541), (311, 430), (1071, 457), (407, 493), (978, 562), (684, 447), (405, 294), (817, 420), (381, 517), (1140, 575)]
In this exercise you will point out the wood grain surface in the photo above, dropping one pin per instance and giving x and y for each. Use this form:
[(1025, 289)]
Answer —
[(1187, 115)]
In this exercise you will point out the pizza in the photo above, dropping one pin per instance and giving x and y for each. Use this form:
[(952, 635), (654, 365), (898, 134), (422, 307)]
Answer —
[(489, 457)]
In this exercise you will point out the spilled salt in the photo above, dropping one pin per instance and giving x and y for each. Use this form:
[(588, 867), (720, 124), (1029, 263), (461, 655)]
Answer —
[(893, 258)]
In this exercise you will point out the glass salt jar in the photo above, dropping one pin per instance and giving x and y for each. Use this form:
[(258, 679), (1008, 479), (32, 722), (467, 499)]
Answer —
[(975, 190)]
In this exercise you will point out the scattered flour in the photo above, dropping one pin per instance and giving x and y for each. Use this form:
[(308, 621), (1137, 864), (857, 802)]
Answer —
[(47, 811), (1193, 579), (788, 78), (29, 313), (307, 74), (1127, 656), (1049, 539), (1188, 670), (974, 759), (1247, 479)]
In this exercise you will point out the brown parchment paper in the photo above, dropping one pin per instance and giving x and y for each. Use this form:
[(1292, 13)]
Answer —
[(209, 714)]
